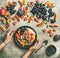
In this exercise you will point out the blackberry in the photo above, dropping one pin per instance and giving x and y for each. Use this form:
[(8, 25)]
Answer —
[(51, 14), (49, 10)]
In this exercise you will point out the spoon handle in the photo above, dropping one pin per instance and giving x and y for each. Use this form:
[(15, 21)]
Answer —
[(38, 49)]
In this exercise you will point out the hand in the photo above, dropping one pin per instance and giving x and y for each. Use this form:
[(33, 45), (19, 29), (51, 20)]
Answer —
[(9, 36), (35, 46)]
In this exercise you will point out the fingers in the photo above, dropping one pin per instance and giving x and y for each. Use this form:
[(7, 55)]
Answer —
[(37, 44), (11, 32)]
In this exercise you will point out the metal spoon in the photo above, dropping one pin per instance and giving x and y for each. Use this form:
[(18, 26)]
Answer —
[(43, 44)]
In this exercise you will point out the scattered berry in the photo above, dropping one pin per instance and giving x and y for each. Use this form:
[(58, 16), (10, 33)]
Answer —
[(8, 25), (44, 30), (14, 23), (25, 19), (54, 30), (51, 34), (49, 31)]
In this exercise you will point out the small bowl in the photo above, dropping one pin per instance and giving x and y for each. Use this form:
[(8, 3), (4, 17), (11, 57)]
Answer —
[(51, 50)]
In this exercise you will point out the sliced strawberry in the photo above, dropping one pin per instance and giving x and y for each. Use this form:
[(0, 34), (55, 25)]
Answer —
[(17, 36), (18, 32)]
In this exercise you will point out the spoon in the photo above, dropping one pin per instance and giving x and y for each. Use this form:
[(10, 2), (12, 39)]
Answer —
[(45, 42)]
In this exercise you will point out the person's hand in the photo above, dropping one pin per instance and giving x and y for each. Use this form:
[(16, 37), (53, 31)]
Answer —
[(35, 46), (9, 36)]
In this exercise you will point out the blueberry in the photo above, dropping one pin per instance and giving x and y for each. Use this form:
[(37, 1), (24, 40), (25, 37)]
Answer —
[(8, 8), (12, 6), (37, 5), (49, 10), (44, 17), (44, 13), (37, 16), (33, 11), (52, 20), (56, 37), (41, 4), (40, 15), (51, 14), (47, 7), (12, 12), (40, 10), (48, 19), (20, 12)]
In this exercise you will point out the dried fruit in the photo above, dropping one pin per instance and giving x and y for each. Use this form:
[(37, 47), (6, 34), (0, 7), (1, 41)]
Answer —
[(37, 20), (3, 20), (9, 21), (49, 4), (53, 25), (26, 8), (13, 18), (8, 15), (25, 12), (2, 28), (30, 19), (24, 2), (54, 30), (21, 4), (40, 24), (14, 3), (17, 17)]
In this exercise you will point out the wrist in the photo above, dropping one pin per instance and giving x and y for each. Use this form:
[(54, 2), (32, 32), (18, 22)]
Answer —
[(31, 50), (5, 42)]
